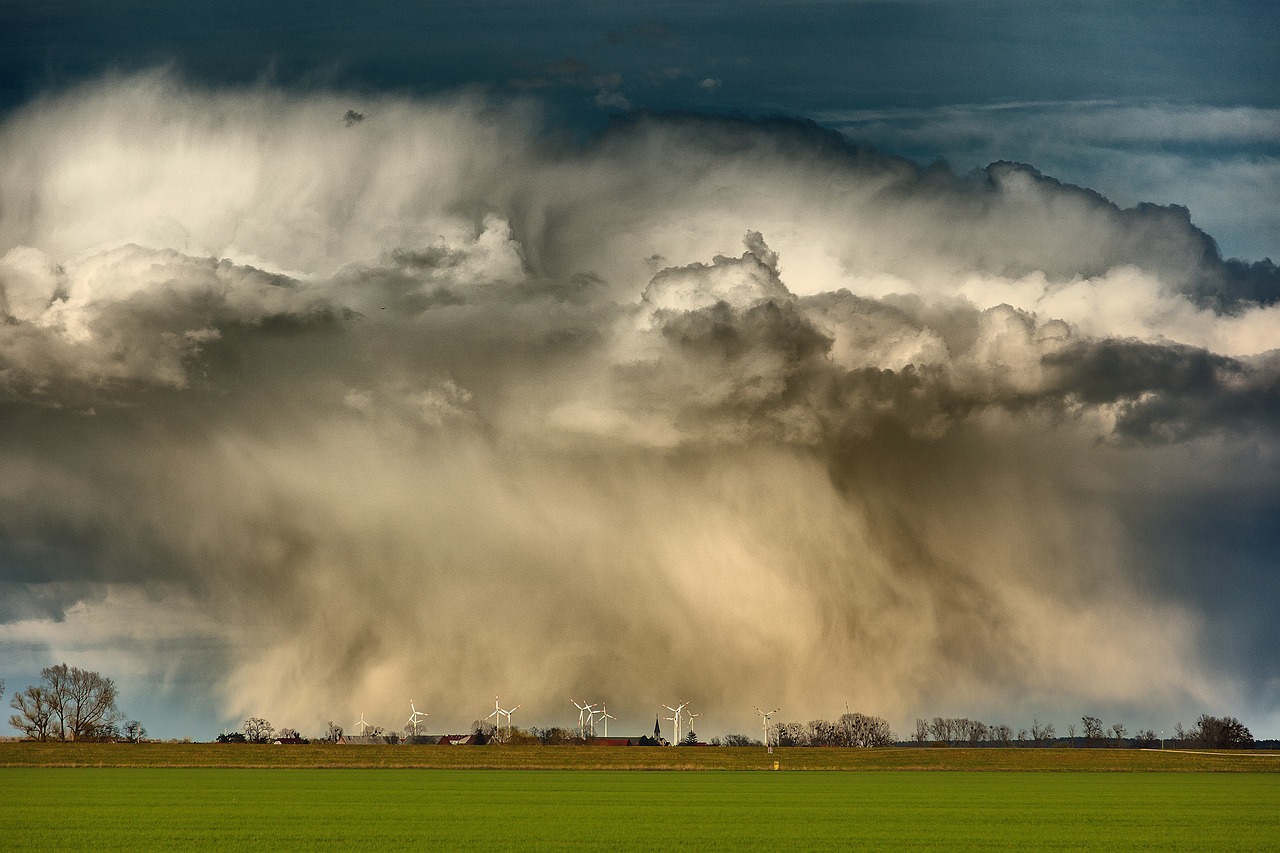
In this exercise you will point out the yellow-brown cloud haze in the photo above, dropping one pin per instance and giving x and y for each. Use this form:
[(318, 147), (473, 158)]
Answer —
[(325, 415)]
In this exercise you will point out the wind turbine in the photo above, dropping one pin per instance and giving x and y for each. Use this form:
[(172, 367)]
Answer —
[(364, 727), (584, 711), (764, 721), (592, 718), (498, 713), (691, 716), (606, 716), (509, 713), (675, 719), (413, 718)]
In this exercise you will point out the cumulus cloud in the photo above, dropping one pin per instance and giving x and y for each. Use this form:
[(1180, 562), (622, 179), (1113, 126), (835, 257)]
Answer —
[(1223, 162), (431, 404)]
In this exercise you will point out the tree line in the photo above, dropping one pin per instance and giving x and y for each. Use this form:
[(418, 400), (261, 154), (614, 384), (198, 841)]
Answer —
[(1208, 731), (850, 730)]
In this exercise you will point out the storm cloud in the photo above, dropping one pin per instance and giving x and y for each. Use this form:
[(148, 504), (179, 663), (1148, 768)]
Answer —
[(324, 414)]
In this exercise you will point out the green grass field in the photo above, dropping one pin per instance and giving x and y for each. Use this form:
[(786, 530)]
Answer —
[(387, 809), (622, 758)]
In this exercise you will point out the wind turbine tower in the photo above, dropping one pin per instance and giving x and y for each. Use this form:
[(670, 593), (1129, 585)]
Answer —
[(414, 718), (496, 716), (691, 716), (498, 713), (764, 721), (675, 719), (585, 717), (509, 713), (606, 716)]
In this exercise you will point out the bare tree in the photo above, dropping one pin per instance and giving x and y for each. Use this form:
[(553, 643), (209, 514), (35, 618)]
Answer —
[(71, 704), (1071, 732), (1041, 734), (257, 730), (1092, 729), (1118, 730), (922, 731), (84, 701), (333, 733), (134, 731), (941, 729), (35, 717)]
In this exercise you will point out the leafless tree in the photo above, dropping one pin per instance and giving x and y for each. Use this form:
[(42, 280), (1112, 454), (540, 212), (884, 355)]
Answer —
[(333, 733), (922, 731), (71, 704), (941, 729), (257, 730), (1118, 730), (1041, 734), (134, 731), (1071, 732), (35, 717), (1092, 729), (975, 731)]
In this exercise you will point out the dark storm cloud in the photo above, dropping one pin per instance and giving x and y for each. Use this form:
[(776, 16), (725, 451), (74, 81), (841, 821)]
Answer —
[(705, 406), (1169, 392)]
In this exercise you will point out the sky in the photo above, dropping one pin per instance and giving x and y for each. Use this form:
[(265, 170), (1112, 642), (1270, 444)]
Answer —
[(919, 357)]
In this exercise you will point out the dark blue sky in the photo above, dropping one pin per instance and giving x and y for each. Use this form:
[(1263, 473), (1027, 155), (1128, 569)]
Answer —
[(1039, 64), (793, 57)]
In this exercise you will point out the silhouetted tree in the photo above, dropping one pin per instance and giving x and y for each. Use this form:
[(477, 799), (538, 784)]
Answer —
[(1221, 732), (333, 732), (1118, 731), (740, 740), (1145, 739), (71, 704), (35, 717), (556, 736), (257, 730), (922, 732), (1092, 729), (133, 731), (231, 737), (941, 729)]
